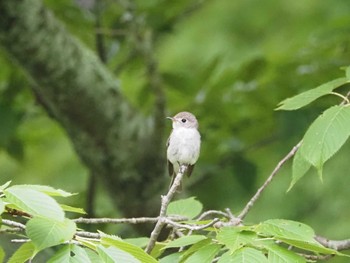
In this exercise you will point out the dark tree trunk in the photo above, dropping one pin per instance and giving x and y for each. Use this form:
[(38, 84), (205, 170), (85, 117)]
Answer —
[(117, 144)]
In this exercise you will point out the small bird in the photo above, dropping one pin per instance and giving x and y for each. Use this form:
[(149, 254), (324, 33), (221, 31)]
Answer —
[(183, 145)]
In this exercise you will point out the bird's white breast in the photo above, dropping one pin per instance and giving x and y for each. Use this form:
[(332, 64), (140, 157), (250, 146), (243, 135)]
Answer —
[(184, 145)]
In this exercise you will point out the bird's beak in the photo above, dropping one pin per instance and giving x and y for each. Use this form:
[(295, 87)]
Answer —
[(170, 118)]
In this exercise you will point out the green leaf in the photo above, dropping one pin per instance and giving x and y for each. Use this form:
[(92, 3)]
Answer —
[(5, 185), (185, 241), (243, 255), (68, 208), (91, 244), (195, 247), (234, 238), (158, 249), (23, 253), (309, 96), (2, 255), (174, 257), (46, 190), (139, 241), (189, 208), (46, 232), (34, 202), (93, 256), (70, 254), (326, 135), (61, 256), (2, 207), (347, 72), (309, 245), (299, 169), (293, 233), (135, 251), (115, 255), (287, 229), (204, 254), (278, 254)]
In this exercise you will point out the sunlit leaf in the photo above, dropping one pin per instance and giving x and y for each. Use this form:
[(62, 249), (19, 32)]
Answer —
[(93, 256), (139, 241), (70, 253), (278, 254), (133, 250), (309, 96), (158, 249), (326, 136), (234, 238), (46, 190), (115, 255), (204, 254), (23, 253), (68, 208), (185, 241), (174, 257), (46, 232), (287, 229), (2, 207), (34, 202), (91, 244), (299, 168), (243, 255), (5, 185), (347, 72), (2, 255), (195, 247), (309, 246), (189, 207), (293, 233)]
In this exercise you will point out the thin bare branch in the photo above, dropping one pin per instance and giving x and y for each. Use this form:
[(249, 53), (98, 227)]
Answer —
[(12, 223), (315, 257), (188, 226), (212, 212), (164, 205), (257, 195), (88, 235), (334, 244), (134, 220)]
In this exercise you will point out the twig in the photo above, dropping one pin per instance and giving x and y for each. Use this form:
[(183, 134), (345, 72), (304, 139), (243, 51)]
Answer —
[(88, 234), (11, 230), (315, 257), (165, 202), (252, 201), (134, 220), (212, 212), (334, 244), (13, 223), (24, 240), (346, 99), (190, 227)]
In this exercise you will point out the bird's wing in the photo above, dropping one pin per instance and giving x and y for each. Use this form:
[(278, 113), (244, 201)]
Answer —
[(170, 168), (189, 169)]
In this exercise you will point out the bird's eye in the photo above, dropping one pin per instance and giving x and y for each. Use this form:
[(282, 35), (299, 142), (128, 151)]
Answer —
[(183, 120)]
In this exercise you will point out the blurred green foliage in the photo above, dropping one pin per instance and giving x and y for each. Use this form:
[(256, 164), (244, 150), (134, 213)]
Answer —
[(229, 62)]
